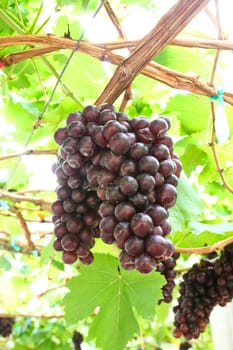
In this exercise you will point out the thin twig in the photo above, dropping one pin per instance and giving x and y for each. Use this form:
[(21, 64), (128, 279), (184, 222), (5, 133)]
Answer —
[(45, 292), (24, 226), (208, 249), (29, 152), (45, 317), (14, 196)]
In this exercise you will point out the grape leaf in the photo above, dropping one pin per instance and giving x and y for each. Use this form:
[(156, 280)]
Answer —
[(188, 206), (117, 293), (220, 228)]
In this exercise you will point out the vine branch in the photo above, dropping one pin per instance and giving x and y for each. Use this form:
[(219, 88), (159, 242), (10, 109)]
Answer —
[(208, 249), (14, 196), (29, 153)]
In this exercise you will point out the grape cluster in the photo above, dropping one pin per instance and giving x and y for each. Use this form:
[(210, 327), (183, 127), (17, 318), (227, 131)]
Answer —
[(204, 286), (77, 339), (117, 178), (6, 325), (166, 268)]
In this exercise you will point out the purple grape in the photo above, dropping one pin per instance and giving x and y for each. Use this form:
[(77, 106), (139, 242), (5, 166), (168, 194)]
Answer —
[(69, 205), (91, 219), (107, 106), (167, 167), (78, 195), (114, 195), (61, 176), (128, 167), (68, 170), (98, 136), (86, 236), (139, 200), (167, 141), (139, 123), (57, 207), (87, 260), (157, 213), (63, 192), (172, 180), (128, 185), (146, 182), (121, 233), (112, 127), (69, 257), (160, 151), (124, 211), (158, 127), (82, 251), (119, 143), (144, 263), (91, 113), (166, 195), (60, 229), (156, 246), (76, 129), (70, 145), (107, 224), (127, 261), (57, 245), (112, 162), (69, 243), (141, 224), (106, 209), (60, 135), (75, 160), (87, 147), (107, 238), (144, 135), (92, 200), (74, 181), (134, 246), (138, 150), (74, 117), (105, 177), (148, 164), (166, 227), (107, 115), (74, 225)]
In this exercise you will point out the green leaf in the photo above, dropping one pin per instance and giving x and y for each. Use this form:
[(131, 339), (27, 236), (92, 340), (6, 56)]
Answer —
[(193, 112), (5, 263), (197, 155), (117, 293), (221, 228), (188, 206), (3, 4)]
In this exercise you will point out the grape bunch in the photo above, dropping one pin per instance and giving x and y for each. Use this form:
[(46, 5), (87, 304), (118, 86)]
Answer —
[(6, 325), (117, 179), (203, 287)]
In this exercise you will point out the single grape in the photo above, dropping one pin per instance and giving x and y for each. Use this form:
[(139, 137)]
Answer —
[(70, 145), (74, 181), (113, 194), (107, 115), (144, 263), (128, 185), (82, 251), (78, 195), (57, 245), (167, 167), (57, 207), (107, 238), (69, 257), (166, 195), (172, 180), (158, 127), (139, 200), (148, 164), (86, 146), (128, 167), (157, 213), (75, 161), (146, 182), (86, 236), (91, 114), (91, 219), (124, 211), (156, 246), (107, 224), (69, 243), (139, 123), (119, 143), (112, 127), (141, 224), (76, 129), (105, 177), (106, 209), (144, 135), (60, 135), (98, 136), (127, 261), (121, 233), (160, 151), (74, 117), (74, 225), (134, 246), (87, 260), (112, 162), (60, 229), (63, 192), (138, 150), (68, 170)]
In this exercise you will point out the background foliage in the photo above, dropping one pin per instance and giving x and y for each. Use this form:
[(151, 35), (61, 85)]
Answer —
[(111, 309)]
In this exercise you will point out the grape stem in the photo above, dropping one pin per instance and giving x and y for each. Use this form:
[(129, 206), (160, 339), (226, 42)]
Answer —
[(46, 317), (208, 249)]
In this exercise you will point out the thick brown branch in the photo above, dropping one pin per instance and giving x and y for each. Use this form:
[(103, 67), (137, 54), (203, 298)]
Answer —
[(155, 71), (14, 196), (165, 30)]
